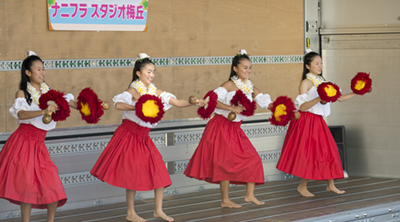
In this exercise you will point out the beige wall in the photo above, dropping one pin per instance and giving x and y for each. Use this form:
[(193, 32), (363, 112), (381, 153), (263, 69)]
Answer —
[(371, 121), (176, 28), (360, 16)]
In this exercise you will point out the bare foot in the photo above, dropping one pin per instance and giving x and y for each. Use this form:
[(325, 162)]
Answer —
[(134, 218), (253, 199), (304, 192), (161, 214), (334, 189), (230, 204)]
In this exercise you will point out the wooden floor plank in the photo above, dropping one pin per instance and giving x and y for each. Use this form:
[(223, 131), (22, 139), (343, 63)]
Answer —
[(283, 203)]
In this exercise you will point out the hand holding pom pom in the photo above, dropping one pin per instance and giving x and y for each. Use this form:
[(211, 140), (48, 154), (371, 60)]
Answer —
[(240, 99), (361, 83), (90, 106), (53, 97), (210, 100), (149, 108), (283, 111), (328, 92)]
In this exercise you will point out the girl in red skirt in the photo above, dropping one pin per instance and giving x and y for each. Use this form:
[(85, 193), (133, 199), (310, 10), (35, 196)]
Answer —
[(28, 176), (131, 160), (309, 150), (225, 155)]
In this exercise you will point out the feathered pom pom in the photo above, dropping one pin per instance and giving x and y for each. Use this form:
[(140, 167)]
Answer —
[(206, 111), (328, 92), (283, 111), (241, 98), (89, 105), (361, 83), (58, 97), (149, 108)]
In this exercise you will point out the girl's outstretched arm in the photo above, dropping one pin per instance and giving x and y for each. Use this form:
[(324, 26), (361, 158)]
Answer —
[(306, 85), (256, 93), (23, 114), (346, 97), (73, 104), (179, 102), (126, 107)]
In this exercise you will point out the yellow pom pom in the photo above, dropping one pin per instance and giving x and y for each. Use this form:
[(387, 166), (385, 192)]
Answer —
[(85, 109), (330, 91), (360, 85), (279, 111), (150, 108)]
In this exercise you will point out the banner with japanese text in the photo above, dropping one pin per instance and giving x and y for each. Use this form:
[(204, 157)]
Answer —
[(98, 15)]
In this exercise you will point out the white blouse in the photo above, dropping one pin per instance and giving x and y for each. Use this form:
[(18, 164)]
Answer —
[(225, 97), (318, 109), (126, 98), (22, 104)]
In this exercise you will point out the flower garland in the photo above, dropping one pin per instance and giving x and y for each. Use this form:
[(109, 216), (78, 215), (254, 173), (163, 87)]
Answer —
[(30, 53), (246, 86), (44, 88), (142, 56), (315, 80), (141, 88), (242, 52)]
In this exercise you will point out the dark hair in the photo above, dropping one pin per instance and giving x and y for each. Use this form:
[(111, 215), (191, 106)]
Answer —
[(139, 65), (236, 61), (308, 58), (27, 65)]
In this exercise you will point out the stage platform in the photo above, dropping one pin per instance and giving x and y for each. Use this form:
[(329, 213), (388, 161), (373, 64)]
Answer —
[(365, 200)]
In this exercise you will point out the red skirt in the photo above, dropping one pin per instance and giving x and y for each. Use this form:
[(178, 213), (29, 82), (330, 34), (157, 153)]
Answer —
[(309, 150), (131, 160), (27, 173), (225, 153)]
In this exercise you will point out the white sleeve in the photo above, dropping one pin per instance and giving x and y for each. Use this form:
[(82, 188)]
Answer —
[(69, 97), (165, 97), (263, 100), (19, 104), (300, 99), (124, 97), (221, 92)]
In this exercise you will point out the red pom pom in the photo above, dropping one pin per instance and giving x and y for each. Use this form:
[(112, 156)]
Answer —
[(361, 83), (58, 97), (241, 98), (140, 112), (282, 111), (93, 109), (205, 113), (328, 92)]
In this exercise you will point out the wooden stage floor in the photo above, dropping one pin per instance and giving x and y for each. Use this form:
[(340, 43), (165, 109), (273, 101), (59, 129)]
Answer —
[(283, 203)]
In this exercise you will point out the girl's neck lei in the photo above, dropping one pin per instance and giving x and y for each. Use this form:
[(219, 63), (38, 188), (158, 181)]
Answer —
[(142, 90), (316, 80), (246, 86), (35, 95)]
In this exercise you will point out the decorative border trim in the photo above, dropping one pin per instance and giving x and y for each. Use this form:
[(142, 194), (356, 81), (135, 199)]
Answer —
[(72, 179), (159, 139), (87, 146), (15, 65), (270, 156)]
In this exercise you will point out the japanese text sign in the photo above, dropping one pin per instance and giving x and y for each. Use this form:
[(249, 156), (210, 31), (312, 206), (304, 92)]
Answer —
[(98, 15)]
